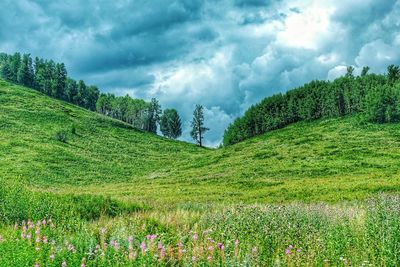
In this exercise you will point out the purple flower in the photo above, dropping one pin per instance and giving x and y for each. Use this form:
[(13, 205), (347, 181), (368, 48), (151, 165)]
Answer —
[(151, 237), (143, 247), (36, 265), (221, 246), (195, 237), (288, 251)]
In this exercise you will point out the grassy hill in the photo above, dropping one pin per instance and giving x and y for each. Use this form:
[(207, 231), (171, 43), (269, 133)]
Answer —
[(326, 160), (193, 212)]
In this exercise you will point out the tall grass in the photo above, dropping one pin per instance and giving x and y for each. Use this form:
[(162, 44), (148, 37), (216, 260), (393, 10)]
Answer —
[(351, 234), (19, 203)]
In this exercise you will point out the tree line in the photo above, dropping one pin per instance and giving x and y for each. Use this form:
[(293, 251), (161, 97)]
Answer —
[(376, 96), (52, 79)]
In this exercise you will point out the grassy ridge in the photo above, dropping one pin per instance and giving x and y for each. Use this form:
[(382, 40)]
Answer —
[(189, 210), (325, 160)]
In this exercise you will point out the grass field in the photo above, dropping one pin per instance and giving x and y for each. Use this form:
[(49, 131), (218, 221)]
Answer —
[(308, 194)]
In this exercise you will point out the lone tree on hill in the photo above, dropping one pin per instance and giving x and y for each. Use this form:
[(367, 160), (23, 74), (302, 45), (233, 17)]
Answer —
[(198, 128), (170, 124)]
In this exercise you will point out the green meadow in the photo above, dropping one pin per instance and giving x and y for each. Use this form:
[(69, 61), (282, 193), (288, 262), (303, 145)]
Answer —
[(320, 193)]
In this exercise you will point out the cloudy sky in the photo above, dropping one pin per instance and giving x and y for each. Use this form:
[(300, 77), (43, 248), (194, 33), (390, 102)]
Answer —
[(224, 54)]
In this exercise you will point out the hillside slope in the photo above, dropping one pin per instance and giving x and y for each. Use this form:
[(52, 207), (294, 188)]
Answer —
[(325, 160)]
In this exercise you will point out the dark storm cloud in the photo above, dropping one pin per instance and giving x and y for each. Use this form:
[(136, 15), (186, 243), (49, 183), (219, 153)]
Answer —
[(225, 54)]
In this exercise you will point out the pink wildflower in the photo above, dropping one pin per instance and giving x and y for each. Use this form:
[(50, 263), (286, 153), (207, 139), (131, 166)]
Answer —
[(195, 237), (52, 257), (254, 250), (221, 246), (64, 264), (143, 247), (36, 265)]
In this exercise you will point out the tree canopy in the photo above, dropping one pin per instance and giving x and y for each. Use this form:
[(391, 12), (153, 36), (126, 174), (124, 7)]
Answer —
[(376, 96)]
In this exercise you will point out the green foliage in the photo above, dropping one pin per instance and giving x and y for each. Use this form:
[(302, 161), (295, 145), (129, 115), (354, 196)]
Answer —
[(152, 116), (170, 124), (61, 136), (383, 104), (198, 129), (318, 99)]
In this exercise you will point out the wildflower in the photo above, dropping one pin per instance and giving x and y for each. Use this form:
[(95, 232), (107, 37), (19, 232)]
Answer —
[(103, 230), (130, 239), (210, 248), (83, 262), (1, 238), (254, 250), (143, 247), (37, 248), (288, 251), (52, 257), (44, 222), (71, 248), (151, 237), (194, 258), (205, 232), (236, 242), (221, 246), (37, 240), (209, 258), (45, 240), (64, 264), (36, 264), (23, 235), (195, 237), (28, 236)]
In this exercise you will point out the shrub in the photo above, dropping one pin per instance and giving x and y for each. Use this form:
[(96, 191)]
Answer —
[(61, 136), (73, 130)]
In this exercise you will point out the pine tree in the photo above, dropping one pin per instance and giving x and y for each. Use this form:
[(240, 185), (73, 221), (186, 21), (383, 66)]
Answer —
[(393, 74), (198, 128), (170, 124), (60, 81), (364, 71), (25, 74)]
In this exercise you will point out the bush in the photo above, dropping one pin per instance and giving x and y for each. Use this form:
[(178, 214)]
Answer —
[(73, 130), (61, 136)]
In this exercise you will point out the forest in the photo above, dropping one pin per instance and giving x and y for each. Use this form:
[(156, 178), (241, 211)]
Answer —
[(52, 79), (375, 96)]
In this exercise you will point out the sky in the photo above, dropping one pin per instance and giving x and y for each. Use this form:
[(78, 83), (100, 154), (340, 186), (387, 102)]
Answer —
[(223, 54)]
